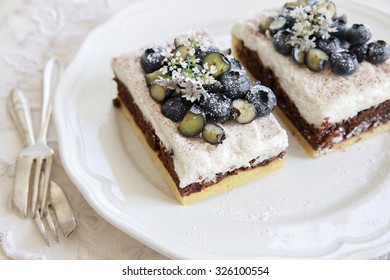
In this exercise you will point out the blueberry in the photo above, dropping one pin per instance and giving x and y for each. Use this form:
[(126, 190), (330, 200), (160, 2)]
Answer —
[(281, 42), (359, 50), (265, 23), (214, 88), (290, 21), (298, 55), (152, 59), (263, 98), (329, 6), (213, 133), (235, 83), (244, 112), (343, 63), (217, 60), (182, 51), (278, 24), (183, 40), (291, 5), (192, 123), (217, 107), (158, 93), (341, 26), (316, 59), (152, 77), (201, 54), (175, 108), (330, 45), (378, 52), (358, 34), (234, 63)]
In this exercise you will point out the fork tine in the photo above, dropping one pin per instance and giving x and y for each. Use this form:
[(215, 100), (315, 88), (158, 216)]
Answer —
[(42, 228), (45, 182), (35, 186), (50, 222), (62, 209)]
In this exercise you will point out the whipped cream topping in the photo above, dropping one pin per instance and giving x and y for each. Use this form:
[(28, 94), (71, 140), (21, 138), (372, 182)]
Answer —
[(324, 96), (194, 159)]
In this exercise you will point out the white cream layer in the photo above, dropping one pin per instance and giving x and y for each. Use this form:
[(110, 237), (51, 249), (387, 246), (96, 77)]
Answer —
[(322, 96), (194, 159)]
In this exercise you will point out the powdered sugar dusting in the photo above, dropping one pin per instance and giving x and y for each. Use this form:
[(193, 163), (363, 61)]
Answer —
[(319, 96), (194, 159)]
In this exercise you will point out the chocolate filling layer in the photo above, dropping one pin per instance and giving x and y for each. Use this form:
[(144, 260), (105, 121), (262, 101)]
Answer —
[(318, 138), (166, 156)]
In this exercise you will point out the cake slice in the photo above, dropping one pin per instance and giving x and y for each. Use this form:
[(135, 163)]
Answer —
[(206, 126), (332, 81)]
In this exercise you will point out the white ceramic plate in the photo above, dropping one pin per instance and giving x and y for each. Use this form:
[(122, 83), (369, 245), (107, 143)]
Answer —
[(333, 207)]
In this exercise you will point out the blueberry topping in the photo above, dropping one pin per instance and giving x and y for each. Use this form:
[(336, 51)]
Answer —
[(193, 122), (217, 87), (151, 59), (235, 83), (298, 55), (290, 21), (359, 51), (263, 98), (358, 34), (264, 25), (182, 51), (213, 133), (218, 60), (244, 112), (378, 52), (316, 59), (157, 92), (202, 54), (281, 42), (196, 83), (311, 32), (279, 23), (235, 64), (341, 26), (330, 45), (343, 63), (152, 77), (175, 108), (329, 6), (180, 41), (217, 107)]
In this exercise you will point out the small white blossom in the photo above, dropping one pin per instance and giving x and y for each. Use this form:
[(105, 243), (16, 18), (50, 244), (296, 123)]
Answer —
[(192, 52), (187, 76), (196, 70), (311, 21), (213, 70)]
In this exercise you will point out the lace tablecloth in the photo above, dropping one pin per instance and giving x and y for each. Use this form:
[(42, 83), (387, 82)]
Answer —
[(31, 31)]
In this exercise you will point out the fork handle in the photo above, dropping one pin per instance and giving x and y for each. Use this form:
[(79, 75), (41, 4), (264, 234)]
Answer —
[(48, 90), (19, 109)]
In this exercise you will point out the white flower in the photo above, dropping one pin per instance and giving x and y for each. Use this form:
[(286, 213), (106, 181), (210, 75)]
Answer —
[(213, 70), (187, 76), (311, 21), (192, 52)]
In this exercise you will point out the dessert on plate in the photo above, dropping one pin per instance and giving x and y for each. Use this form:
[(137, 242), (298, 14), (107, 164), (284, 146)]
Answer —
[(207, 127), (331, 78)]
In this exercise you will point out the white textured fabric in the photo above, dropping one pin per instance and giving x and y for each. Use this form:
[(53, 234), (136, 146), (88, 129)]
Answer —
[(30, 32)]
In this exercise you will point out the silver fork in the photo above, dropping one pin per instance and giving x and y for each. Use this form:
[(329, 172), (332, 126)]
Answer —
[(58, 208), (34, 162)]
